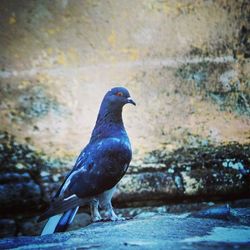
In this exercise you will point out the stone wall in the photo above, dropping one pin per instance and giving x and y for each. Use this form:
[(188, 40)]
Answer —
[(186, 64)]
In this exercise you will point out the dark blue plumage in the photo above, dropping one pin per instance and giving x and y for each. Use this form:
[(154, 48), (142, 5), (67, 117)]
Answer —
[(66, 220), (101, 164)]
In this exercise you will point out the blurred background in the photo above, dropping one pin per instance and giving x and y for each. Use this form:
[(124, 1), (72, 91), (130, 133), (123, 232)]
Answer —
[(185, 63)]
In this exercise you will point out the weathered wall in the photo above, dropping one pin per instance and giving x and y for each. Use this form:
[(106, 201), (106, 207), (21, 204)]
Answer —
[(177, 58), (186, 64)]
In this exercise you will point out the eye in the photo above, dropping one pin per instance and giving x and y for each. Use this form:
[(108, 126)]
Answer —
[(119, 94)]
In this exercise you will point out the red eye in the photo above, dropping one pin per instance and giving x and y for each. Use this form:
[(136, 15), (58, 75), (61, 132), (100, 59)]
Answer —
[(119, 94)]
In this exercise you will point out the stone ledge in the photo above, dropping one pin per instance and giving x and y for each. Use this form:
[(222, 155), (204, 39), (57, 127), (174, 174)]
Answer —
[(153, 231)]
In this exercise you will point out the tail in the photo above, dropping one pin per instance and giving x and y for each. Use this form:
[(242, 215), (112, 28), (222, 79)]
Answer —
[(59, 222), (66, 220)]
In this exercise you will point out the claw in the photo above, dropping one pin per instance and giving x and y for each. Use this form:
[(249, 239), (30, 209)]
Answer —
[(114, 218), (96, 219)]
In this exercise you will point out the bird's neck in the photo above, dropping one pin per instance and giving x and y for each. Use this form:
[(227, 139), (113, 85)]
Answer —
[(109, 123)]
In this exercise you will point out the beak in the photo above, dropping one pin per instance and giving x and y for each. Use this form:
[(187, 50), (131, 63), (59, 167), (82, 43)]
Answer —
[(129, 100)]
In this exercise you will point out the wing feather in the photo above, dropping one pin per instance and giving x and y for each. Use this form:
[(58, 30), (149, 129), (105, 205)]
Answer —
[(98, 168)]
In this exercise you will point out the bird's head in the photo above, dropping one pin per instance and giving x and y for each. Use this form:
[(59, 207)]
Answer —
[(118, 97), (111, 112)]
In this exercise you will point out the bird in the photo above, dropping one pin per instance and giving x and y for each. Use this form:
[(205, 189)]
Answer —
[(98, 169)]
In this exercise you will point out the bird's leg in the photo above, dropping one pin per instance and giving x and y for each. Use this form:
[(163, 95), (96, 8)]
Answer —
[(110, 213), (95, 215), (106, 205)]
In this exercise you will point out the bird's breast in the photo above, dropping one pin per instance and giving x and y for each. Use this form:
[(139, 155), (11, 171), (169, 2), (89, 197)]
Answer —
[(124, 146), (119, 154)]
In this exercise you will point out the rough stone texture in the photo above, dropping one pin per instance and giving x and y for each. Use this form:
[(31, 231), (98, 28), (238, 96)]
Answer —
[(8, 227), (177, 57), (148, 231), (205, 173), (20, 191), (29, 178), (186, 64)]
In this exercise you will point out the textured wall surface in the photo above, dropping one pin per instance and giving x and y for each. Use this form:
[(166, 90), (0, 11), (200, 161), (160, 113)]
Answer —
[(186, 64), (178, 58)]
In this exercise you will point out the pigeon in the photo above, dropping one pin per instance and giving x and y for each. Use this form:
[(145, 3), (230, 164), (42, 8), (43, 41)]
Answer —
[(97, 170)]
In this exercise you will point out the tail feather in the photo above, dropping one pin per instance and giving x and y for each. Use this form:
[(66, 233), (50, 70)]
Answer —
[(59, 206), (66, 220), (51, 224), (59, 222)]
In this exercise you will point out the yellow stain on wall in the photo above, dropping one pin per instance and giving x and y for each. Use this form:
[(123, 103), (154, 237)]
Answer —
[(132, 53), (61, 59), (41, 78), (185, 7), (12, 19), (73, 55), (158, 6), (112, 38), (166, 8), (173, 8), (49, 50), (199, 43), (23, 84), (51, 31)]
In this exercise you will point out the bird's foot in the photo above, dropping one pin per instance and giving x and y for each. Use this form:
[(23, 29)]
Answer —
[(114, 217), (96, 218)]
